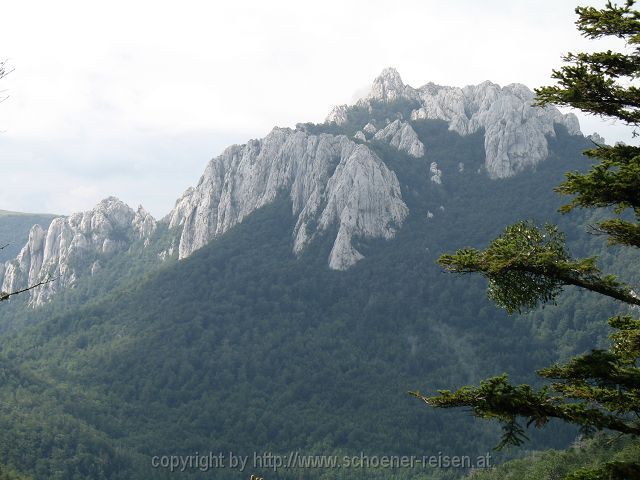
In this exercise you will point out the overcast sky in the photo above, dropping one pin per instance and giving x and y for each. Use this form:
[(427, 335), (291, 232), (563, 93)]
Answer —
[(132, 98)]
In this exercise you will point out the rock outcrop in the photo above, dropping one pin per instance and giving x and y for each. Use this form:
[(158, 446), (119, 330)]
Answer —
[(338, 115), (389, 87), (360, 136), (435, 174), (335, 184), (75, 246), (370, 129), (596, 138), (515, 131), (401, 136), (331, 180)]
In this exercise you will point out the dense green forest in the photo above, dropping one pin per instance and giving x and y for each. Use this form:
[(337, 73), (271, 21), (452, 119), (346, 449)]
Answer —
[(243, 347), (582, 454)]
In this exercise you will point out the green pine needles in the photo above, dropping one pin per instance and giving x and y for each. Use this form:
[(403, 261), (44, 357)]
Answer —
[(527, 265)]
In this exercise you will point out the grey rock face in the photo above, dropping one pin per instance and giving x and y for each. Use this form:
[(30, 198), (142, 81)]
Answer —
[(435, 174), (74, 246), (401, 136), (360, 136), (370, 129), (389, 87), (597, 138), (338, 115), (143, 224), (331, 181), (362, 197), (515, 131)]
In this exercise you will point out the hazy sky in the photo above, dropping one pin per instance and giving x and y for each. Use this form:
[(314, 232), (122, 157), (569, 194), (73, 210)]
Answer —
[(132, 98)]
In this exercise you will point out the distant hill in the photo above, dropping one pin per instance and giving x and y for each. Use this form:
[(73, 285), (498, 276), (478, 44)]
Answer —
[(14, 230)]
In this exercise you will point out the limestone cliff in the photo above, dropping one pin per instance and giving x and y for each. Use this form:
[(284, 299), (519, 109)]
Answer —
[(515, 131), (336, 183), (75, 246), (401, 136), (331, 181)]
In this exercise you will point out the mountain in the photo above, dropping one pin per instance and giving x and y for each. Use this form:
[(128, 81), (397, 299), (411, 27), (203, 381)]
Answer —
[(73, 247), (515, 132), (333, 180), (291, 298)]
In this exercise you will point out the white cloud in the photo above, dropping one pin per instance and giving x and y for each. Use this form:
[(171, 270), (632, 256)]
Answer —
[(106, 96)]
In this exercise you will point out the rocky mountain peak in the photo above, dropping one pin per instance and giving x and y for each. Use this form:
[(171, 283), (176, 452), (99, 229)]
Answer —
[(330, 179), (388, 87), (519, 90), (337, 184), (74, 246), (515, 130)]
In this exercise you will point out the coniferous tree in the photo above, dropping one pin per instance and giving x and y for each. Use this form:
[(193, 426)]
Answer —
[(528, 265)]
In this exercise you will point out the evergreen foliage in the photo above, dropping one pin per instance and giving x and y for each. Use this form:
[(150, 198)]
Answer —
[(599, 458), (244, 347), (527, 265)]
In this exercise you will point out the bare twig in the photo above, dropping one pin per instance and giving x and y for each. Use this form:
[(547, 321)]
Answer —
[(612, 440), (7, 295), (3, 69), (3, 73), (595, 230)]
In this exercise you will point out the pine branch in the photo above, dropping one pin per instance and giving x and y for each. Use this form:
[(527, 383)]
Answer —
[(570, 276), (527, 265)]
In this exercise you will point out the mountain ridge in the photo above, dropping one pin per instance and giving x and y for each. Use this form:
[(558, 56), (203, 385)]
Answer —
[(91, 236), (515, 129), (245, 346), (334, 180)]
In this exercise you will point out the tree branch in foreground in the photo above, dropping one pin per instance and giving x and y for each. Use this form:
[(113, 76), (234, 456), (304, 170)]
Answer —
[(7, 295), (526, 266)]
